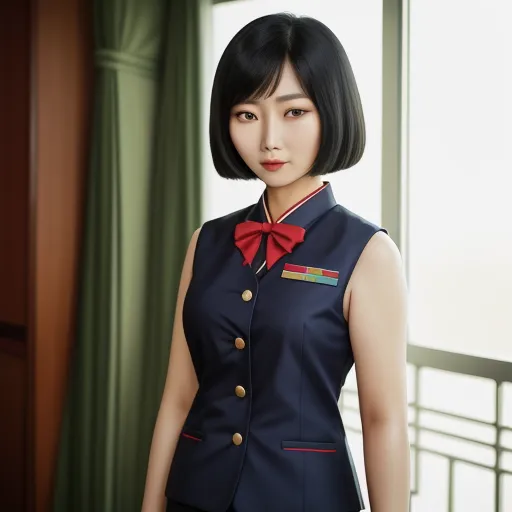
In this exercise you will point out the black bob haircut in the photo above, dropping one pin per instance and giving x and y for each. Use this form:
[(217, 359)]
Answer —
[(251, 67)]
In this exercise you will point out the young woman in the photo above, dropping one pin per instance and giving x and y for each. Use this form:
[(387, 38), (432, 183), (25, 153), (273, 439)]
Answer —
[(278, 300)]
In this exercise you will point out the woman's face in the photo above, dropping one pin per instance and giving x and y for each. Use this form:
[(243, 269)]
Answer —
[(285, 126)]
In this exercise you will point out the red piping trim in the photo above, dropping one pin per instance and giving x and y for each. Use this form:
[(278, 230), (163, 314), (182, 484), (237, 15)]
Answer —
[(190, 437)]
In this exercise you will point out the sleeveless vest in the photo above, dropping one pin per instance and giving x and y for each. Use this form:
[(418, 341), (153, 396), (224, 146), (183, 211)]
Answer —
[(271, 350)]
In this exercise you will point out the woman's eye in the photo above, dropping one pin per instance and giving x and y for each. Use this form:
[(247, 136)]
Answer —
[(246, 116), (296, 112)]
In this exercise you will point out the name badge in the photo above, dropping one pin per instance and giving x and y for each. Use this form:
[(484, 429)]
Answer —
[(310, 274)]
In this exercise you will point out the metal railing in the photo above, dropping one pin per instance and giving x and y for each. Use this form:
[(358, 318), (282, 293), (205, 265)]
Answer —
[(499, 372)]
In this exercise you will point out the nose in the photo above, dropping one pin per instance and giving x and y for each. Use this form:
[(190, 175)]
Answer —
[(271, 135)]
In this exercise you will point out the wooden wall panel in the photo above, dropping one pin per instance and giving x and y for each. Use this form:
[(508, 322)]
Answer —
[(62, 65), (45, 99)]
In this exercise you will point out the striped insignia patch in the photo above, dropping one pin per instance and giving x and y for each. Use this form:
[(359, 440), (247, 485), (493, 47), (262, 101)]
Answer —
[(310, 274)]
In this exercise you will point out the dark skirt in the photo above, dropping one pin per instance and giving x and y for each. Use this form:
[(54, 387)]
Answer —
[(174, 506)]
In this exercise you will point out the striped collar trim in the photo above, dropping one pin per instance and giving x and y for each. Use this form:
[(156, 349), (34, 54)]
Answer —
[(296, 206)]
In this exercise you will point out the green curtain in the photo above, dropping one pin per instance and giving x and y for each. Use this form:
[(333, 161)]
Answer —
[(176, 209), (142, 205)]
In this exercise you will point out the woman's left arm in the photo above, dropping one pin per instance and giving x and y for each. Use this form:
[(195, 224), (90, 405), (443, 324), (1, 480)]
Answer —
[(377, 320)]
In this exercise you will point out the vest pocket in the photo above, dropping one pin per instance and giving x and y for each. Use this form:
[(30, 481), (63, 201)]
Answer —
[(326, 474), (309, 446)]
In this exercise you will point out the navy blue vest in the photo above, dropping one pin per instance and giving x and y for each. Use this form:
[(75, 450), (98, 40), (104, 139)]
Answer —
[(271, 354)]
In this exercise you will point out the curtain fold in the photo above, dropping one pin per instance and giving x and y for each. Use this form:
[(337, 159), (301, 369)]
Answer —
[(176, 211), (142, 205)]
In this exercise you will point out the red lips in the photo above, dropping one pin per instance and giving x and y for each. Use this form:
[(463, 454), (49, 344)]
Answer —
[(272, 165)]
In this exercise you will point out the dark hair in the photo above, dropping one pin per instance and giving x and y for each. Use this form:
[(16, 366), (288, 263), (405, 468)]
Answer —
[(252, 65)]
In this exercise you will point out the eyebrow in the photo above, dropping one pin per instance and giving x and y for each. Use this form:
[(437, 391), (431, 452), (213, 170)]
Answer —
[(280, 99)]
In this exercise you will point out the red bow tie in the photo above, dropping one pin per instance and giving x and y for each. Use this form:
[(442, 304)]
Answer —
[(282, 239)]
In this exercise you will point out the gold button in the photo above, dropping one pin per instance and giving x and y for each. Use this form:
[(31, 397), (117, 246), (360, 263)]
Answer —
[(237, 439), (247, 295), (240, 391), (239, 343)]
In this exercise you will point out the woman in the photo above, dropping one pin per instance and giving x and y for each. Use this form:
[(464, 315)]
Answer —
[(277, 301)]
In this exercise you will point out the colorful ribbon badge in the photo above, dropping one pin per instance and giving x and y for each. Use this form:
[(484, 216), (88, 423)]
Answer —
[(310, 274)]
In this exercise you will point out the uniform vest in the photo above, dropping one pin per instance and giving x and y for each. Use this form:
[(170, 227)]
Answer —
[(271, 350)]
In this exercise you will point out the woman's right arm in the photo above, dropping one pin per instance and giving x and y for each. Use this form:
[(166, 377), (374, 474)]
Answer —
[(179, 391)]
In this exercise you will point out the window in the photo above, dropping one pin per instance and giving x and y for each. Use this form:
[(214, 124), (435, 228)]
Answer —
[(460, 247), (459, 236), (460, 212)]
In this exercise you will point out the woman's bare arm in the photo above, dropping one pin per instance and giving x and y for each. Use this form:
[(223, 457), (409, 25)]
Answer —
[(179, 391), (378, 333)]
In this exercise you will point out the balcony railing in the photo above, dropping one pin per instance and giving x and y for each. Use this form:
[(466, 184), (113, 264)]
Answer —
[(486, 372)]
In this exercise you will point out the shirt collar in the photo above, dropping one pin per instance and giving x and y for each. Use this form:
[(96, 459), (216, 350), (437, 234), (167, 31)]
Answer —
[(303, 213)]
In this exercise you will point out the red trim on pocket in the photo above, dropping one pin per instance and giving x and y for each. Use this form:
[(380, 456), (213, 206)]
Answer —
[(191, 437), (309, 450)]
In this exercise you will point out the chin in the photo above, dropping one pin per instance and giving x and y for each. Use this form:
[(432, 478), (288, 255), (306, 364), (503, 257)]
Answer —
[(278, 179)]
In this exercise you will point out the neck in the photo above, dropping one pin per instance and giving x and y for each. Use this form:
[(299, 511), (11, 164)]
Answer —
[(280, 199)]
